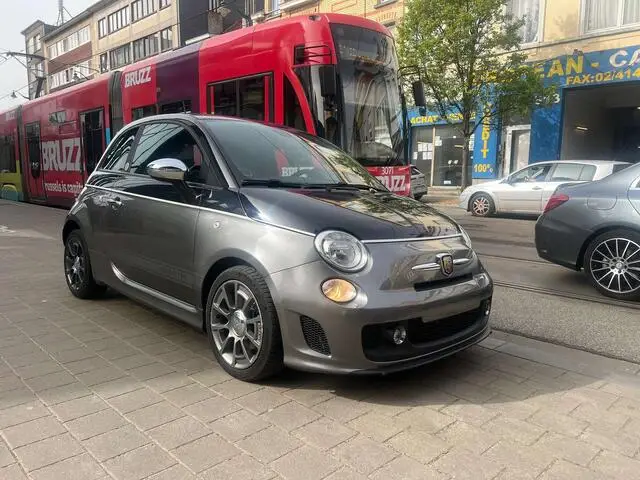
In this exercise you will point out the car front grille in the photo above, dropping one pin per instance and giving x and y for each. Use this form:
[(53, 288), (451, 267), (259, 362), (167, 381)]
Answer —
[(314, 335)]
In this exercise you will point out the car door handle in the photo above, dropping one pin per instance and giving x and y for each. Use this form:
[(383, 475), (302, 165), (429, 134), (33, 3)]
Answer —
[(536, 188), (114, 202)]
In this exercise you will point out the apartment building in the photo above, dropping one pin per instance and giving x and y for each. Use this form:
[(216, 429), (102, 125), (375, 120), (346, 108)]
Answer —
[(68, 52), (130, 30), (35, 62)]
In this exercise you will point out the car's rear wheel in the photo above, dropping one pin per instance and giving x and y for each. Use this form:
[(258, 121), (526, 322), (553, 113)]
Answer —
[(242, 325), (77, 268), (481, 205), (612, 264)]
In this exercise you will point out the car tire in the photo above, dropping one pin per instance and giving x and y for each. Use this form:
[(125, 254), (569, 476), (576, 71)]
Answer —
[(481, 205), (598, 255), (224, 325), (77, 268)]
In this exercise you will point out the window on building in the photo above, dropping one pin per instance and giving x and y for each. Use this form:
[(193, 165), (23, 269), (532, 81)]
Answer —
[(166, 39), (103, 28), (275, 6), (605, 14), (120, 56), (164, 4), (529, 10), (119, 19), (145, 47), (104, 62), (38, 42), (70, 42), (141, 9)]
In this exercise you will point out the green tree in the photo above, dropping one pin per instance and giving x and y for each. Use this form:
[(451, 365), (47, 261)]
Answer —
[(467, 55)]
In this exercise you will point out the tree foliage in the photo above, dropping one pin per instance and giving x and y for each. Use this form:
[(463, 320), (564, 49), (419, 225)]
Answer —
[(467, 54)]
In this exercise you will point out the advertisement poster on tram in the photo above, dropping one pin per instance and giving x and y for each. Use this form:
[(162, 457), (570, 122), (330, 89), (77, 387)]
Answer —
[(396, 179)]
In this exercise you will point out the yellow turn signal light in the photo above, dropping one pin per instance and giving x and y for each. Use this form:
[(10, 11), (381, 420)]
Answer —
[(338, 290)]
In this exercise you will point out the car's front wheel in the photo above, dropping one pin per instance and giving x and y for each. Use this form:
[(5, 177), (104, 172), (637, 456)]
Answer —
[(242, 325), (612, 264), (481, 205), (77, 268)]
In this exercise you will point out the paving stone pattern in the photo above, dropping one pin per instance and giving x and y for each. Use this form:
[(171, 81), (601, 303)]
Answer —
[(110, 389)]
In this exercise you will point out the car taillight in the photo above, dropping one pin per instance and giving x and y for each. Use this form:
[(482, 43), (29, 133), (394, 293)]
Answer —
[(555, 200)]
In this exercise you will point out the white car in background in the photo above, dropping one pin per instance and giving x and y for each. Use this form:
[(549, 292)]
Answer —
[(526, 191), (418, 183)]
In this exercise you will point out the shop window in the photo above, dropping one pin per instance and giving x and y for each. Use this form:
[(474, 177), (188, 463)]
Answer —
[(447, 147), (422, 150), (607, 14), (530, 11)]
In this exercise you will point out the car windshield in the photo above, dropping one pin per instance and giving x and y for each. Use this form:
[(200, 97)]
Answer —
[(259, 153)]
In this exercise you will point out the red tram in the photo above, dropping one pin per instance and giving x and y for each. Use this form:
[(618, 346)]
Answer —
[(331, 75)]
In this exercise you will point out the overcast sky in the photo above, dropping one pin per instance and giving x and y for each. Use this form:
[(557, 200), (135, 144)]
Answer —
[(15, 16)]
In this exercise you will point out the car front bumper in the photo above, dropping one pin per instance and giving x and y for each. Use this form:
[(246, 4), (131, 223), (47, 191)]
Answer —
[(320, 335)]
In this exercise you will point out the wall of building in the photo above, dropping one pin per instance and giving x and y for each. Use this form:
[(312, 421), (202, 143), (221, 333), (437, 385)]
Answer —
[(69, 60)]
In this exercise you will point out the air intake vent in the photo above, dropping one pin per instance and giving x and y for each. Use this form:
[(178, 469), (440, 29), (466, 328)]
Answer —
[(314, 336)]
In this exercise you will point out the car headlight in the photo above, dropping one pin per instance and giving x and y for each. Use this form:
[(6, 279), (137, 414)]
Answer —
[(341, 250), (466, 237)]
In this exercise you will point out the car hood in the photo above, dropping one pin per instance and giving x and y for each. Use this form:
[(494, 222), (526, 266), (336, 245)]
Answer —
[(366, 215)]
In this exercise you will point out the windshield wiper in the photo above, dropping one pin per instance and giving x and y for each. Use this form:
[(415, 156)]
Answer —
[(275, 183), (271, 183)]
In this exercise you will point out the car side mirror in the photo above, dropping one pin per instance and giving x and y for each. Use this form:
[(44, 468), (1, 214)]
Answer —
[(167, 170)]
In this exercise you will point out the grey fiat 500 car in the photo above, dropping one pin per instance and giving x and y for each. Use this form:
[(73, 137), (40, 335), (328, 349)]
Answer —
[(278, 244)]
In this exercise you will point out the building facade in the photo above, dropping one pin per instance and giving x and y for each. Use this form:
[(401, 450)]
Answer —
[(35, 59), (590, 49)]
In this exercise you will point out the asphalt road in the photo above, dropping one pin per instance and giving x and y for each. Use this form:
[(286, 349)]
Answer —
[(532, 297), (540, 300)]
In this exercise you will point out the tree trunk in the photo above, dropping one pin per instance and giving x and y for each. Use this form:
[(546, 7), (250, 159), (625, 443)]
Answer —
[(466, 177)]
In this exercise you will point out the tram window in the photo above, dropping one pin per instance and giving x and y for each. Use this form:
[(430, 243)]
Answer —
[(251, 92), (32, 131), (92, 138), (183, 106), (142, 112), (7, 155), (225, 99), (117, 157), (292, 109)]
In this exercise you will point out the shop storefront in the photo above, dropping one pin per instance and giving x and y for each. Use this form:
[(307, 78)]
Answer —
[(437, 146), (597, 110)]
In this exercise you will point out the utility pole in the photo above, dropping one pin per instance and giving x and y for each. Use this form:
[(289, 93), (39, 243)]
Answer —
[(61, 11)]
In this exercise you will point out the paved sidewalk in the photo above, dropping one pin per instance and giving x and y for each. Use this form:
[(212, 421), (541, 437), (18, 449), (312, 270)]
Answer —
[(110, 389)]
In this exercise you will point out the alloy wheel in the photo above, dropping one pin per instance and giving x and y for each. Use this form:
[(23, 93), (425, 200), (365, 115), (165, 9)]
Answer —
[(615, 265), (74, 263), (236, 324), (481, 206)]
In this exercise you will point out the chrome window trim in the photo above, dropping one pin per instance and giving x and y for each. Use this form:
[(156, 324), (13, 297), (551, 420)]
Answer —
[(198, 207), (412, 240), (152, 292)]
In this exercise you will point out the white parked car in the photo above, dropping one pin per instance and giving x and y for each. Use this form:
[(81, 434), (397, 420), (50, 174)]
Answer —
[(528, 190), (418, 183)]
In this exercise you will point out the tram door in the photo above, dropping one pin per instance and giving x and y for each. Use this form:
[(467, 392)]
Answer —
[(93, 139), (33, 167)]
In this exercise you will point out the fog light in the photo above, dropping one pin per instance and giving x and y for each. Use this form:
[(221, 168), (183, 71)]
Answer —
[(399, 335), (487, 308), (338, 290)]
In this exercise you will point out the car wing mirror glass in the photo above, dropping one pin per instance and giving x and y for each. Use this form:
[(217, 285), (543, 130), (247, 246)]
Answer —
[(167, 170)]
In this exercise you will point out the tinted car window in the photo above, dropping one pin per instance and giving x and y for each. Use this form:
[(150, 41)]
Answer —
[(165, 140), (260, 152), (118, 154), (619, 166), (565, 172)]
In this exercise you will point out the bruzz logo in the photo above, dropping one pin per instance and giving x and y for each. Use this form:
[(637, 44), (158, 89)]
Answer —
[(138, 77), (62, 155)]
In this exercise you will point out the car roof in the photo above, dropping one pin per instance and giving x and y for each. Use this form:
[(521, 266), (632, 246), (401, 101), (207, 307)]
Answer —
[(587, 162)]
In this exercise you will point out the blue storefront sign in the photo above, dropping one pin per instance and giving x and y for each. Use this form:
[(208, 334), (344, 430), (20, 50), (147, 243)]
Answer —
[(574, 71), (486, 140)]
